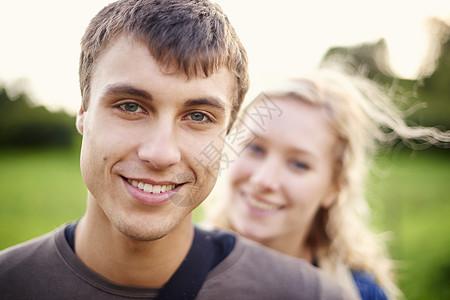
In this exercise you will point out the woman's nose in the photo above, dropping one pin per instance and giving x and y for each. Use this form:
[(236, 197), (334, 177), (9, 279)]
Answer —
[(266, 175)]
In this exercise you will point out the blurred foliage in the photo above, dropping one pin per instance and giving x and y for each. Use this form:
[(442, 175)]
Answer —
[(369, 59), (23, 124), (410, 199), (432, 87), (436, 87)]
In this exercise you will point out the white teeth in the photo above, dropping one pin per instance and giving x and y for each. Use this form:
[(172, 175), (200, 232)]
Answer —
[(261, 205), (148, 188), (156, 189)]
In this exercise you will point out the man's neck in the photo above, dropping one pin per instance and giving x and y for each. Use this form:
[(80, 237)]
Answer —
[(129, 262)]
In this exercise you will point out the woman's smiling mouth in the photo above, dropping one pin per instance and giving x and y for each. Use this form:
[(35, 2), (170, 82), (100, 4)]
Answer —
[(259, 205), (265, 206)]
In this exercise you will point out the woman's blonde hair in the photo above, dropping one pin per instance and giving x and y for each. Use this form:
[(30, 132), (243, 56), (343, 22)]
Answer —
[(364, 117)]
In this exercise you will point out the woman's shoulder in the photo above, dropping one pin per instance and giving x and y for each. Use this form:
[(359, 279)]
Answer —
[(367, 286)]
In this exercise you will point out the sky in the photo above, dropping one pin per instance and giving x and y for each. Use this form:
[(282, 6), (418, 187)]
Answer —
[(39, 47)]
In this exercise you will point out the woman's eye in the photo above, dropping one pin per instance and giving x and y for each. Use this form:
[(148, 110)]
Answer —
[(298, 165), (131, 107), (198, 117), (255, 148)]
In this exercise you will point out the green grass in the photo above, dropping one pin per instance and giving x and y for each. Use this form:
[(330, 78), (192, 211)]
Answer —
[(39, 191), (411, 199), (410, 196)]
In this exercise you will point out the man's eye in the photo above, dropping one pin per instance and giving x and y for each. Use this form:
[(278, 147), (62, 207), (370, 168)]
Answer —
[(131, 107), (198, 117)]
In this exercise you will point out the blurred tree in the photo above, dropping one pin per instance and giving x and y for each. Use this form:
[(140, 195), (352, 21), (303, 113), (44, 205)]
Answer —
[(436, 85), (367, 58), (432, 87), (22, 124)]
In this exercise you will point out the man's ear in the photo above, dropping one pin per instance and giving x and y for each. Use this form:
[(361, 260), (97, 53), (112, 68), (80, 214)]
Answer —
[(80, 120)]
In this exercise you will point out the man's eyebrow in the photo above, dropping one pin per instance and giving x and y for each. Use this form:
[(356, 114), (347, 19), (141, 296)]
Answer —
[(207, 101), (125, 89)]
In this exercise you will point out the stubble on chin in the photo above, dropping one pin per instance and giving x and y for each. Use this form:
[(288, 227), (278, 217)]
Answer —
[(147, 232)]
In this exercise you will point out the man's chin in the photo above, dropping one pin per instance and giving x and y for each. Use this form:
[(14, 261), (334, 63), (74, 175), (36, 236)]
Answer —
[(143, 231)]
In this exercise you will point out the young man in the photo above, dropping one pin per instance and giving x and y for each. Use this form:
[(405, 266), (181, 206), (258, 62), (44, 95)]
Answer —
[(161, 81)]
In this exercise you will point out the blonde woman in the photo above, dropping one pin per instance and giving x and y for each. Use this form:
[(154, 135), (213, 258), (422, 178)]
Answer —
[(298, 186)]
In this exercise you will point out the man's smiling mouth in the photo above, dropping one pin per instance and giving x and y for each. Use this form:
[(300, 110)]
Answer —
[(150, 188)]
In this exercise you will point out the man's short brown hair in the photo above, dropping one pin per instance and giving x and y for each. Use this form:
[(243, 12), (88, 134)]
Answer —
[(193, 36)]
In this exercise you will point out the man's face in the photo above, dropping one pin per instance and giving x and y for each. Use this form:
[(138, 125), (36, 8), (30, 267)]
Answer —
[(151, 140)]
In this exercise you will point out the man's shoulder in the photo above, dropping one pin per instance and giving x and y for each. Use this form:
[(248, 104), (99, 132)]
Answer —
[(24, 255), (258, 258), (256, 272), (33, 262), (26, 248)]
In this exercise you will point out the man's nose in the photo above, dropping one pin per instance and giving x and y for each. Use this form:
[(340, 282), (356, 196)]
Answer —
[(160, 148)]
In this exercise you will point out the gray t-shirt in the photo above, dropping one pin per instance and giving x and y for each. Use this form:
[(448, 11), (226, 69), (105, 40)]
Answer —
[(47, 268)]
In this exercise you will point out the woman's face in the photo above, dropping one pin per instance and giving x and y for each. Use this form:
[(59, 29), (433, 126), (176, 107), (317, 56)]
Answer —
[(284, 175)]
